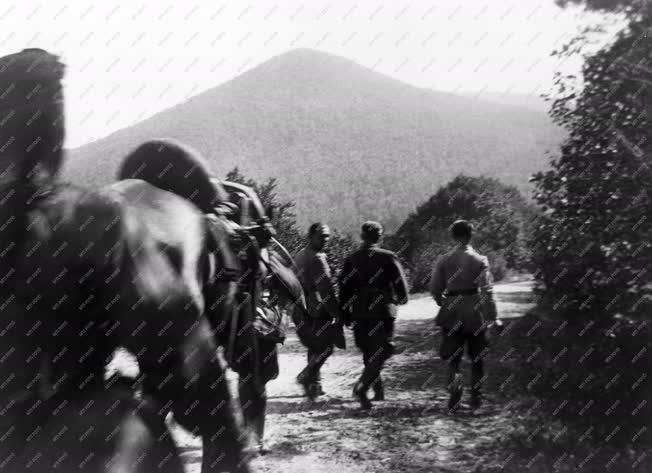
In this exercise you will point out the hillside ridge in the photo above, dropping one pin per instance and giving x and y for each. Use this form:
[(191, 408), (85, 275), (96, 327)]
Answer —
[(346, 143)]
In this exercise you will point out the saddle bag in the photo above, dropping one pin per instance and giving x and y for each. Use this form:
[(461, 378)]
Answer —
[(269, 324)]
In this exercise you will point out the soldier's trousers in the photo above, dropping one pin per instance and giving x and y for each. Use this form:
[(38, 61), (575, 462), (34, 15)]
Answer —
[(318, 339), (452, 349), (374, 338)]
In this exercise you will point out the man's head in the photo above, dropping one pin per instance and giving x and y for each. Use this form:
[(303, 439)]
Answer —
[(462, 231), (371, 232), (318, 236)]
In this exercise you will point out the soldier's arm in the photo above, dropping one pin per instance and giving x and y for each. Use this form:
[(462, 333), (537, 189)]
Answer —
[(400, 282), (346, 289), (326, 286), (438, 281), (485, 285)]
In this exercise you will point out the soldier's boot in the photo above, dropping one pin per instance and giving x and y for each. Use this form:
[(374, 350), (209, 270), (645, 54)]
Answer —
[(477, 380), (360, 392), (379, 389), (304, 379), (313, 390), (456, 389), (476, 399)]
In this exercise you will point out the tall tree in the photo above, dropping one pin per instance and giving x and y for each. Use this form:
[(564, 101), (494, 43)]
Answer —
[(594, 243), (285, 221)]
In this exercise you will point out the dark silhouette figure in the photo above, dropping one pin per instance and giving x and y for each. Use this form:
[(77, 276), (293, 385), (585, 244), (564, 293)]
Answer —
[(372, 283), (86, 271), (320, 328)]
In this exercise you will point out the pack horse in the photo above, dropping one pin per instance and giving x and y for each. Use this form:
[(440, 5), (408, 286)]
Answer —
[(136, 264)]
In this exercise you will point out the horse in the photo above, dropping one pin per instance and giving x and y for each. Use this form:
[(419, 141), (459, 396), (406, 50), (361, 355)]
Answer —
[(268, 285), (86, 271)]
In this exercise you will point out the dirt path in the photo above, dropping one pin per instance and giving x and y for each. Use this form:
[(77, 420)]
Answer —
[(409, 432)]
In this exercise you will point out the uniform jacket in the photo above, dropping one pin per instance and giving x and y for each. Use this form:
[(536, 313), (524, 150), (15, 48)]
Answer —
[(318, 284), (372, 283), (463, 269)]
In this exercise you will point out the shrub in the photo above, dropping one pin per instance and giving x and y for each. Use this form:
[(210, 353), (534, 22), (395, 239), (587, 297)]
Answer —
[(593, 246), (590, 374), (501, 216)]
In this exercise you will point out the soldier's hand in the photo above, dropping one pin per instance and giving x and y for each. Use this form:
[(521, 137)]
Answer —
[(499, 326), (496, 327)]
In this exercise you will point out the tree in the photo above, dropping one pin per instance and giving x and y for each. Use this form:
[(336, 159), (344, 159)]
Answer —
[(592, 249), (499, 212), (593, 245), (285, 221)]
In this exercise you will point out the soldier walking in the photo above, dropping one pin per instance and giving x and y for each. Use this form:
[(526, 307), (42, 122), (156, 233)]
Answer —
[(322, 329), (461, 285), (372, 283)]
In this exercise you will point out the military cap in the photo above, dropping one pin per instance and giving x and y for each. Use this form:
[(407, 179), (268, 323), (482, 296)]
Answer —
[(461, 229), (371, 230)]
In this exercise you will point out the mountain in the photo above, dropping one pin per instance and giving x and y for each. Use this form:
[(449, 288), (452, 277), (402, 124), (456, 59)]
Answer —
[(345, 142), (532, 101)]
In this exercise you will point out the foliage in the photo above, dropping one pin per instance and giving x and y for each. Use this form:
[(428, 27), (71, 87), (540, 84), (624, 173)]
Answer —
[(587, 356), (590, 375), (592, 248), (338, 248), (605, 5), (499, 212), (285, 221)]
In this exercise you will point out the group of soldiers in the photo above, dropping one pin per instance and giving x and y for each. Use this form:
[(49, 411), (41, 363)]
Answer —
[(365, 296)]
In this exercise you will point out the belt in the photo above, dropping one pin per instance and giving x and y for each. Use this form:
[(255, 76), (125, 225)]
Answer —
[(463, 292)]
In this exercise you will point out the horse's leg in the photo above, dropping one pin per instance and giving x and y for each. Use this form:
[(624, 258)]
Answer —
[(204, 406), (254, 404), (217, 422), (145, 444), (259, 420)]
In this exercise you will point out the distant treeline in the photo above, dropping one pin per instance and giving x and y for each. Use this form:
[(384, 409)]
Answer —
[(500, 213)]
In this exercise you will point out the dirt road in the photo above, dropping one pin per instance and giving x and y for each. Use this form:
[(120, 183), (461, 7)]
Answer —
[(409, 432)]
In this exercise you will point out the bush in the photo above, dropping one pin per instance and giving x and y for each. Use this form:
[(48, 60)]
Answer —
[(500, 213), (587, 355), (590, 374), (285, 222), (593, 246)]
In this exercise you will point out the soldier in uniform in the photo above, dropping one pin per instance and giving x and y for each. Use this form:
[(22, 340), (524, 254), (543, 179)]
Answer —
[(461, 285), (321, 329), (372, 283)]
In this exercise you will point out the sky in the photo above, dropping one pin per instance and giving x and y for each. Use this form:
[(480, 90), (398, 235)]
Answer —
[(127, 60)]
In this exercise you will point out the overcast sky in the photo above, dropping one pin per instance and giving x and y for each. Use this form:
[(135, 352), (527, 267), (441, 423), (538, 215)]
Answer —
[(130, 59)]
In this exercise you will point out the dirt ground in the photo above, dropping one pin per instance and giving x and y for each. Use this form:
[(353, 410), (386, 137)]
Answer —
[(409, 432)]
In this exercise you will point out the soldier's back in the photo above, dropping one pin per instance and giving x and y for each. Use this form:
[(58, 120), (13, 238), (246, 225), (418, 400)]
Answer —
[(373, 273), (462, 268), (464, 271)]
